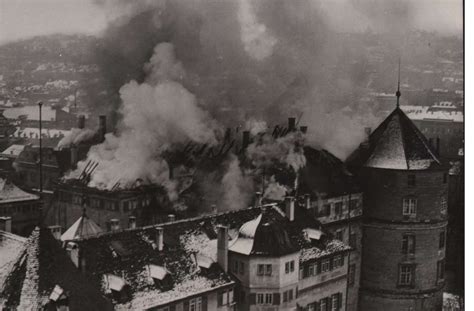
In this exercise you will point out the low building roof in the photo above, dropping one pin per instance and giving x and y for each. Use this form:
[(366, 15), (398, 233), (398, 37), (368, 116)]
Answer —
[(10, 193), (84, 227)]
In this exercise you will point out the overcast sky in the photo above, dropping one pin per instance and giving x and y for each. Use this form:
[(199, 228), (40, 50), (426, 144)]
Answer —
[(21, 19)]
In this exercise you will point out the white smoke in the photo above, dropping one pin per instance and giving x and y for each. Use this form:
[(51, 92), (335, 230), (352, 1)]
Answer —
[(256, 126), (287, 149), (156, 114), (236, 186), (75, 137), (257, 40), (274, 190)]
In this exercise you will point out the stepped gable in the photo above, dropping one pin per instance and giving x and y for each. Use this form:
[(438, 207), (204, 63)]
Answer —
[(396, 144)]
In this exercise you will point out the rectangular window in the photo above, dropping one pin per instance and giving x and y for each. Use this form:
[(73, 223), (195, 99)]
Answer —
[(411, 180), (268, 299), (326, 210), (324, 304), (444, 205), (338, 261), (408, 244), (231, 296), (292, 266), (285, 296), (260, 269), (442, 240), (338, 208), (409, 206), (195, 304), (440, 268), (325, 265), (268, 269), (290, 295), (225, 301), (241, 267), (311, 270), (339, 235), (287, 267), (335, 302), (260, 299), (405, 275), (351, 276), (353, 203)]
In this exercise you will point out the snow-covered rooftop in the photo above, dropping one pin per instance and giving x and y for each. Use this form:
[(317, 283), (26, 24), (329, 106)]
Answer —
[(11, 193), (431, 113)]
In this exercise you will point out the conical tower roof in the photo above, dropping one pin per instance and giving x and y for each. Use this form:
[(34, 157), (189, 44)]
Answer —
[(396, 144), (82, 228)]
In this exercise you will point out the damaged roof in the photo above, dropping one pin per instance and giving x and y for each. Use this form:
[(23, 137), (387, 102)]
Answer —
[(396, 144), (11, 193)]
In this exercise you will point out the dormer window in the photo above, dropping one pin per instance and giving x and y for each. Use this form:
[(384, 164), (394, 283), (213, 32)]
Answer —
[(160, 276), (58, 298), (116, 286)]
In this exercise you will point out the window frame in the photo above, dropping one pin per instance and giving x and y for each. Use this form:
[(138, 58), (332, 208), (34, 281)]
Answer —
[(442, 240), (409, 206), (408, 244), (403, 275), (260, 269), (325, 263)]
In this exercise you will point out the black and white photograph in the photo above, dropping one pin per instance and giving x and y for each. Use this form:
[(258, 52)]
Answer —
[(233, 155)]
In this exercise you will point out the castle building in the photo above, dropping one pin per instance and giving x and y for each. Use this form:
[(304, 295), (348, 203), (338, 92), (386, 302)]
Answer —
[(405, 218)]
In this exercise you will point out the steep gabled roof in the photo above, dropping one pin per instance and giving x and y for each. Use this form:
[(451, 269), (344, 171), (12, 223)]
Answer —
[(396, 144), (11, 193), (84, 227)]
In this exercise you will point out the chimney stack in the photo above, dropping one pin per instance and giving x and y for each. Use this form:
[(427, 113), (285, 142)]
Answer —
[(81, 121), (245, 139), (102, 127), (291, 124), (132, 222), (114, 224), (307, 198), (74, 155), (171, 218), (258, 199), (6, 223), (304, 129), (290, 208), (222, 247), (159, 238)]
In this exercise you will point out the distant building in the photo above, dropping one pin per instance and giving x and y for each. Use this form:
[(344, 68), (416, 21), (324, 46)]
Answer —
[(442, 124), (22, 208), (405, 218)]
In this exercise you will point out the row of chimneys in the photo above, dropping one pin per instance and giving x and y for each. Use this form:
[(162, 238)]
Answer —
[(289, 204), (114, 224)]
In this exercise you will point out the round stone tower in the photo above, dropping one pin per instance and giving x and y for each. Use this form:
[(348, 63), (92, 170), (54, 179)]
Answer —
[(405, 218)]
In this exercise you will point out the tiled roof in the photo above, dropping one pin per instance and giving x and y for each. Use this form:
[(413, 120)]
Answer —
[(47, 266), (189, 247), (11, 249), (11, 193), (396, 144)]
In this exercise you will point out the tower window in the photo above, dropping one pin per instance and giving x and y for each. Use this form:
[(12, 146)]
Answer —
[(408, 244), (442, 240), (411, 180), (405, 274), (409, 206)]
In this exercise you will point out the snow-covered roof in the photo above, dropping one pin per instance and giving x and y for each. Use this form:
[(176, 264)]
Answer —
[(13, 151), (84, 227), (33, 132), (12, 247), (441, 112), (157, 272), (396, 144), (48, 113), (11, 193)]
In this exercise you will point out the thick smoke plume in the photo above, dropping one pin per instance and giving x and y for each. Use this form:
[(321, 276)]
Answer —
[(76, 136), (274, 190), (156, 114), (237, 187)]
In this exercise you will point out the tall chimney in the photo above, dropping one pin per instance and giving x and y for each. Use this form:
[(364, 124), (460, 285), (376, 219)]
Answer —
[(102, 127), (438, 140), (6, 223), (74, 156), (307, 198), (290, 208), (258, 199), (171, 218), (132, 222), (222, 247), (303, 129), (81, 121), (114, 224), (245, 139), (159, 238), (291, 124)]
